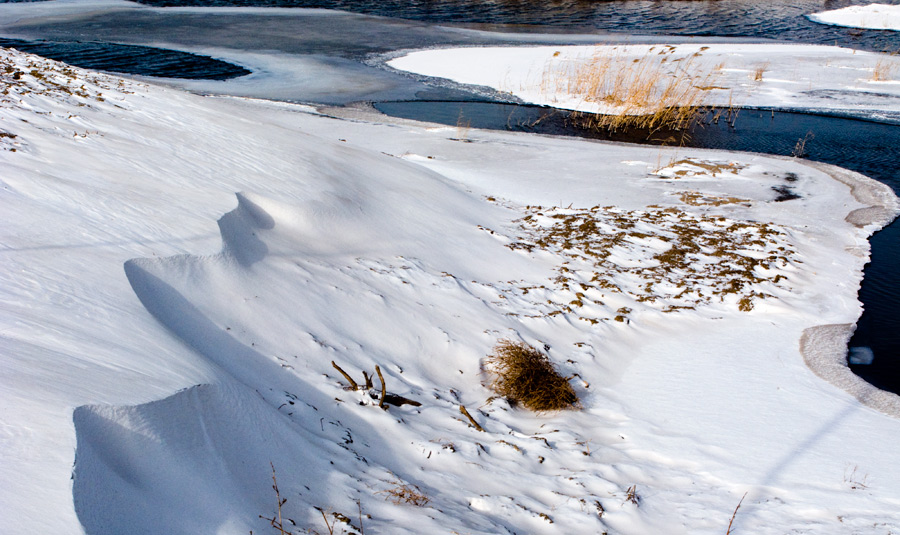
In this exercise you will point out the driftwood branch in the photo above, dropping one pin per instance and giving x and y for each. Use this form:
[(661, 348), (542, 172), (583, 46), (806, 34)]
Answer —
[(395, 400), (465, 412), (383, 388), (349, 379), (390, 399)]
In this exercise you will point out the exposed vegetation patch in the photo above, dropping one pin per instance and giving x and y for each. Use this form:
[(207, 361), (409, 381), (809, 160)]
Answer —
[(695, 198), (692, 167), (8, 141), (663, 258), (525, 376), (25, 73)]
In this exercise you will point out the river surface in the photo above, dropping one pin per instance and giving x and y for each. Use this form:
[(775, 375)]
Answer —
[(117, 41), (770, 19)]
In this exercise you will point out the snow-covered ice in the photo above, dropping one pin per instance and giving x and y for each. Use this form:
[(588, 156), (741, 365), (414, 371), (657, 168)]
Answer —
[(178, 272), (806, 77), (871, 16)]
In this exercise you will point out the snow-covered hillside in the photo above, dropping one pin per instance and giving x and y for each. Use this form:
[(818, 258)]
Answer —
[(179, 272)]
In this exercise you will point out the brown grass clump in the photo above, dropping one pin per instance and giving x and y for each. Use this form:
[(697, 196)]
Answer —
[(524, 375)]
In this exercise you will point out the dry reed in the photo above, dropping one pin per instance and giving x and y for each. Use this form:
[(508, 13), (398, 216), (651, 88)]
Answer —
[(652, 92), (883, 70), (759, 70)]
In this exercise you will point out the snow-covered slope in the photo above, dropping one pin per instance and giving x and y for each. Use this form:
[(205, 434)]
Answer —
[(871, 16), (179, 272)]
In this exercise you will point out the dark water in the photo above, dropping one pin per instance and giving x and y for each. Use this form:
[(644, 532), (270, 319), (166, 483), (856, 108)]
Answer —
[(867, 147), (778, 19), (130, 59)]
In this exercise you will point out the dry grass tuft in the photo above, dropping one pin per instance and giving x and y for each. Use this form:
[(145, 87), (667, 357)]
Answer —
[(524, 375), (759, 71), (884, 70), (404, 493)]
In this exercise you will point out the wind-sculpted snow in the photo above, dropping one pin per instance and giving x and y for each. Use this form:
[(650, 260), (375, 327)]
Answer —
[(186, 464), (370, 243), (230, 308)]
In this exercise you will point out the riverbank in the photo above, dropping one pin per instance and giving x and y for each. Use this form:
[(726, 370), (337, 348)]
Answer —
[(631, 79), (824, 347)]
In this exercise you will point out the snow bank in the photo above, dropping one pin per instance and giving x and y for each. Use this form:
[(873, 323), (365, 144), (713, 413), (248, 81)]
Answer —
[(871, 16), (163, 360), (728, 75)]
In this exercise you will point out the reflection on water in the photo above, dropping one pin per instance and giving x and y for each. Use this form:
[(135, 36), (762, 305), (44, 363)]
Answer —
[(778, 19), (863, 146), (131, 59)]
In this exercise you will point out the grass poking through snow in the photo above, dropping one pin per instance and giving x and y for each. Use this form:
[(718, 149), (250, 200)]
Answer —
[(660, 258), (653, 92)]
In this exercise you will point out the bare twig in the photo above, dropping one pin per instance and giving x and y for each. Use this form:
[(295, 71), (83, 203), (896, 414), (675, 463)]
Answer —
[(368, 379), (329, 527), (383, 388), (734, 514), (465, 412), (349, 379), (276, 520)]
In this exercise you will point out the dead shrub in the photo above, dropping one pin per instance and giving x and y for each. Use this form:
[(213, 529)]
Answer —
[(524, 375)]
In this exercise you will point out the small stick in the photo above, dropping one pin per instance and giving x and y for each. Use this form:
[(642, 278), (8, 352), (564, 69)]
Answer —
[(462, 409), (735, 513), (383, 389), (368, 380), (349, 379), (394, 399)]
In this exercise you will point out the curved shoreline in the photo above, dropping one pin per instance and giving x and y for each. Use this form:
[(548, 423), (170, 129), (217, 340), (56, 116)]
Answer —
[(824, 347)]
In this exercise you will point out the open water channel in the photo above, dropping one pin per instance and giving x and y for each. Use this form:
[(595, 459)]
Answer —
[(113, 41)]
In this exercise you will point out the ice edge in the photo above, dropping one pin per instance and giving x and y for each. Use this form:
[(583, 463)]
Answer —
[(824, 347)]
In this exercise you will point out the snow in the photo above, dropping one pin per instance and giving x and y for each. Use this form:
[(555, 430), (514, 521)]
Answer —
[(871, 16), (795, 76), (180, 271)]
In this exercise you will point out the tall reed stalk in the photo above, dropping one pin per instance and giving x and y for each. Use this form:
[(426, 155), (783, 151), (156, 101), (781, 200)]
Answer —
[(654, 91)]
